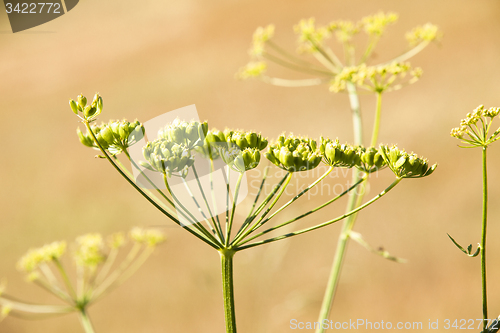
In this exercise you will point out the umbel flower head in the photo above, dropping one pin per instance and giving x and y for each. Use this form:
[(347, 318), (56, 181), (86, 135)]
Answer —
[(376, 78), (98, 270), (239, 160), (190, 134), (425, 33), (405, 165), (167, 157), (475, 128), (115, 136), (338, 155), (89, 112), (294, 153), (245, 140), (259, 39), (252, 69), (43, 255), (371, 160)]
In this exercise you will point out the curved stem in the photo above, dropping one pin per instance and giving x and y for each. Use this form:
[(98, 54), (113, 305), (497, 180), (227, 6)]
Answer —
[(228, 290), (86, 323), (376, 122), (483, 241)]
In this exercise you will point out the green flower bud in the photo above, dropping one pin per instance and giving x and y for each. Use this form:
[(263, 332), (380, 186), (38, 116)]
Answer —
[(89, 111), (82, 101), (405, 165), (107, 134), (294, 154), (73, 106)]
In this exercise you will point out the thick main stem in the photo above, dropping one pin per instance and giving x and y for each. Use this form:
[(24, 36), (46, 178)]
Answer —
[(228, 289), (483, 241), (86, 323)]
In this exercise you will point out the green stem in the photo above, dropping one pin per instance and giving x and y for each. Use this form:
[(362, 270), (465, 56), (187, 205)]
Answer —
[(228, 289), (324, 224), (281, 225), (86, 323), (483, 241), (233, 210), (65, 277), (354, 199), (356, 113), (376, 122)]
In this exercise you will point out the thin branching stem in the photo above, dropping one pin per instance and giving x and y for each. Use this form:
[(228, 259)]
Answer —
[(483, 241), (324, 224), (134, 185)]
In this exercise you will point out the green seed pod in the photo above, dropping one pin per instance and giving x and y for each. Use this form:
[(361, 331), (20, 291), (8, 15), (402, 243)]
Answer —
[(85, 139), (82, 101), (73, 106), (89, 111), (107, 134)]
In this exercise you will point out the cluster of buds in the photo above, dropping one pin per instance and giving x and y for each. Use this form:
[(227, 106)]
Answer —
[(97, 270), (89, 111), (251, 70), (338, 155), (240, 160), (294, 153), (425, 33), (245, 140), (43, 255), (343, 155), (149, 237), (376, 24), (470, 133), (405, 165), (371, 160), (167, 157), (376, 78), (190, 134), (89, 251), (310, 37), (115, 136), (259, 39), (344, 30)]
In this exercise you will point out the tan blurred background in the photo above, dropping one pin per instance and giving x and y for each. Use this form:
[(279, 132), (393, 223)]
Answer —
[(149, 57)]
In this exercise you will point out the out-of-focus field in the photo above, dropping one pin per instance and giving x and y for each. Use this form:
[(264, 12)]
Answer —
[(149, 57)]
